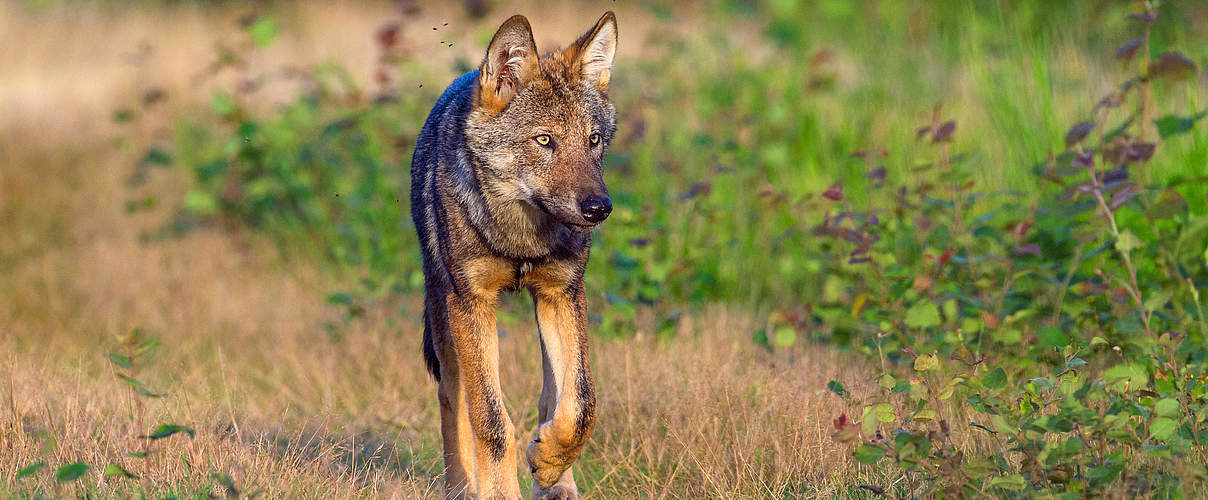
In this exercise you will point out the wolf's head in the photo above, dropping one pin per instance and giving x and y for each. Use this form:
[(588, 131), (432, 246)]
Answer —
[(541, 124)]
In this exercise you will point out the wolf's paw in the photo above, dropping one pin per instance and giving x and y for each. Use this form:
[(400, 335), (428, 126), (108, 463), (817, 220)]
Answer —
[(546, 465)]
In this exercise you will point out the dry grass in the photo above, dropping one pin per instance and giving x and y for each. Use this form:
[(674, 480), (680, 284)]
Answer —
[(278, 403), (282, 407)]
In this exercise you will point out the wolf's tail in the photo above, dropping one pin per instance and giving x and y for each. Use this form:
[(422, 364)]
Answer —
[(430, 358)]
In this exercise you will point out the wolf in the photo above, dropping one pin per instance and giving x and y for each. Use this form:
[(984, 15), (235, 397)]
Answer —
[(507, 182)]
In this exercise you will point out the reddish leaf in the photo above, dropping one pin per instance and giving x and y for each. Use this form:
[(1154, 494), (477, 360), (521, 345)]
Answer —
[(992, 320), (1030, 248), (1120, 294), (1113, 178), (1122, 196), (834, 193), (922, 283), (910, 351), (1087, 288), (1077, 133), (1145, 17), (1129, 49), (944, 258), (387, 36), (1172, 66), (1141, 151), (944, 132), (841, 422), (1084, 160), (696, 189), (1022, 228), (922, 223)]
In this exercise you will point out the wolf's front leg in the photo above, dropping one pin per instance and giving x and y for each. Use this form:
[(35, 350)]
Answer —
[(568, 403), (476, 340)]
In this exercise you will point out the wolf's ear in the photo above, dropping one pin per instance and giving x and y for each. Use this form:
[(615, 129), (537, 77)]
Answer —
[(595, 51), (510, 63)]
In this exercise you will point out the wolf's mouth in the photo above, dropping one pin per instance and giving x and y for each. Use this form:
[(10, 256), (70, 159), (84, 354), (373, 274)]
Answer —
[(578, 226)]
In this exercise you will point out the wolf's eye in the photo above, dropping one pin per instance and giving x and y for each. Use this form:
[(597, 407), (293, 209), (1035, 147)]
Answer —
[(595, 139), (544, 140)]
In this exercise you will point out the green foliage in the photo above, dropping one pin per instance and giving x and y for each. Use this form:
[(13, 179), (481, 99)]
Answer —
[(71, 472), (168, 430), (1052, 321), (1055, 310)]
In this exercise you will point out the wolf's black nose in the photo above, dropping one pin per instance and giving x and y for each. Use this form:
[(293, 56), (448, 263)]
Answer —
[(596, 208)]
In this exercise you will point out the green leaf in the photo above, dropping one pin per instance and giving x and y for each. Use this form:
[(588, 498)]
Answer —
[(785, 336), (1163, 428), (760, 337), (926, 362), (147, 345), (1172, 125), (868, 454), (30, 470), (1053, 337), (130, 381), (201, 203), (117, 470), (123, 115), (923, 315), (223, 104), (868, 420), (1128, 241), (138, 454), (119, 360), (157, 156), (1167, 407), (995, 379), (166, 430), (263, 32), (886, 381), (1014, 482), (1158, 299), (836, 388), (1134, 374), (71, 472), (142, 391), (1001, 425), (885, 413)]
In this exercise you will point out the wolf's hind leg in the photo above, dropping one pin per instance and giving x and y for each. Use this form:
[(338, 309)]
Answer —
[(568, 402), (455, 430)]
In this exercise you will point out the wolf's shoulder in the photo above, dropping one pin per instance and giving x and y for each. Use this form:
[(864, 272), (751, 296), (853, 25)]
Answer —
[(455, 101), (444, 127)]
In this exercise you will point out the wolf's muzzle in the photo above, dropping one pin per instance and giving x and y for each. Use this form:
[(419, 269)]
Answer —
[(595, 208)]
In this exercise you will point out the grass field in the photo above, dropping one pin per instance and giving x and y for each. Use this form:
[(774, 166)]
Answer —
[(288, 342)]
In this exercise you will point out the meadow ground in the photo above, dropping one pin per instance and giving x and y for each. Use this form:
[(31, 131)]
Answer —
[(280, 406)]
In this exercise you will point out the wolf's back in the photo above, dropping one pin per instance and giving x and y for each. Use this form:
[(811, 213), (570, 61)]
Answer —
[(439, 142)]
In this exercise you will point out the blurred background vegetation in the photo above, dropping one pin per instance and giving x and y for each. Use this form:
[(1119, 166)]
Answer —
[(735, 116), (919, 182)]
